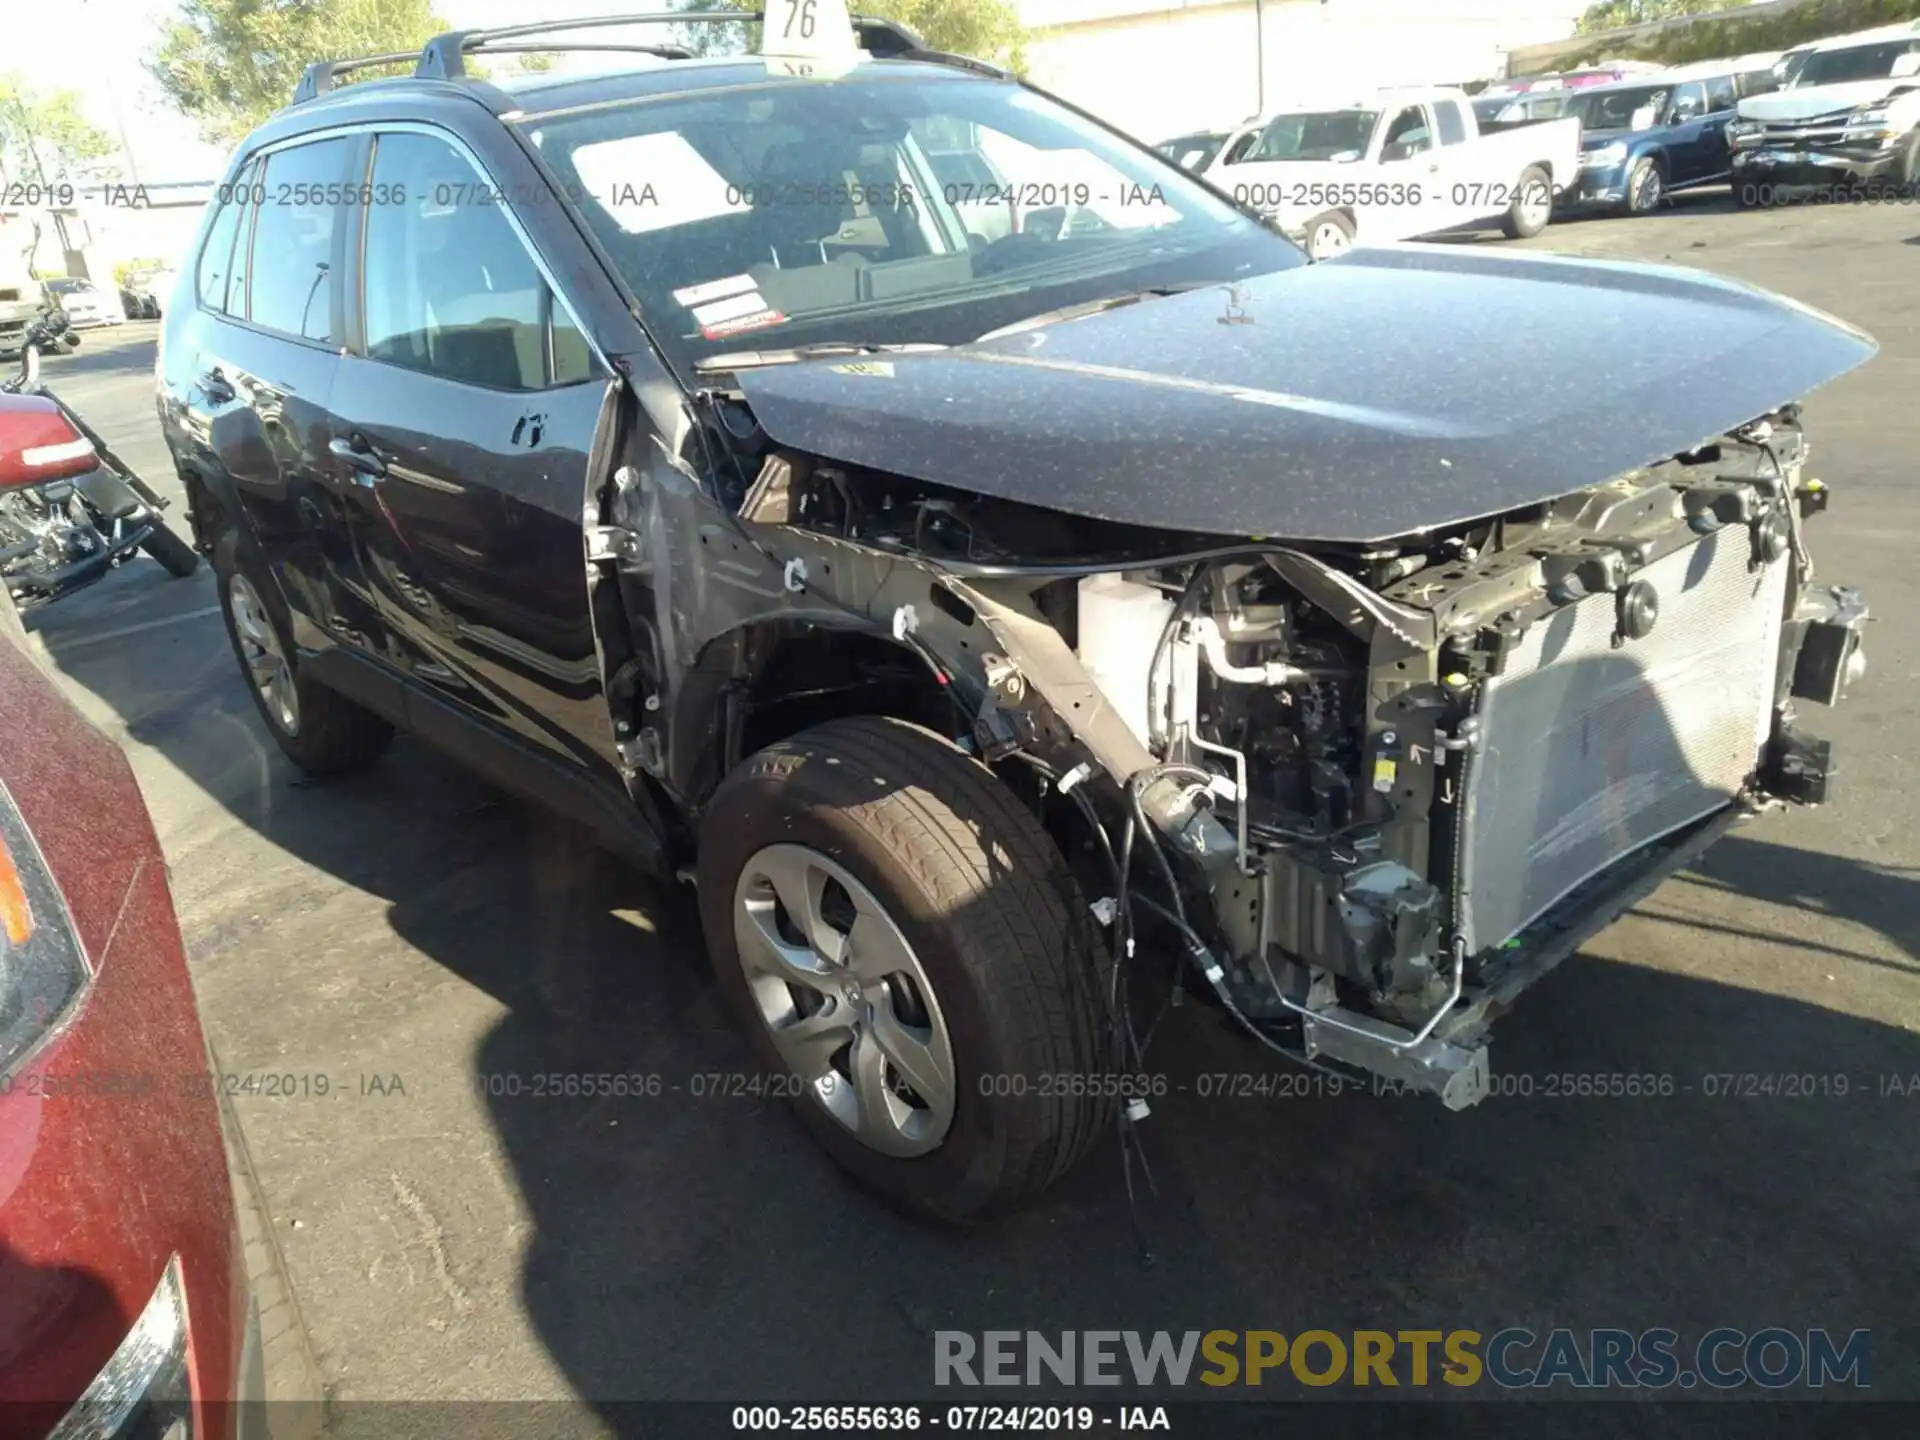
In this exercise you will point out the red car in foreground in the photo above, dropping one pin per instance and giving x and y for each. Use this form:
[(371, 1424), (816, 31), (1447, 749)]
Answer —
[(124, 1302)]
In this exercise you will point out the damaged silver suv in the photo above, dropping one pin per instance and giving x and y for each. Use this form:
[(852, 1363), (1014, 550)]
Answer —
[(999, 572)]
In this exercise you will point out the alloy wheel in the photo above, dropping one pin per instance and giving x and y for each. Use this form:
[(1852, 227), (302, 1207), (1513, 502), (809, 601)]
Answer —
[(265, 659), (845, 999), (1646, 189), (1328, 240)]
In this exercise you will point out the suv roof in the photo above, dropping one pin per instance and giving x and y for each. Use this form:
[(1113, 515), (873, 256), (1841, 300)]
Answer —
[(442, 60), (1878, 35)]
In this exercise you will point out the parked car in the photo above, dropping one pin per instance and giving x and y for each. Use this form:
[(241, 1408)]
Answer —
[(127, 1309), (87, 304), (955, 616), (1605, 74), (21, 301), (1849, 124), (1395, 164), (138, 297), (1643, 141), (1507, 112), (1195, 151)]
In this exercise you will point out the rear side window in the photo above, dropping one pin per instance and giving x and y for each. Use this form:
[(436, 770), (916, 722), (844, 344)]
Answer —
[(216, 258), (450, 289), (1721, 94), (293, 235), (1453, 130)]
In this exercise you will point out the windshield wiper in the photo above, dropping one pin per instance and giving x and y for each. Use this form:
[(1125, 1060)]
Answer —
[(794, 354), (1094, 307)]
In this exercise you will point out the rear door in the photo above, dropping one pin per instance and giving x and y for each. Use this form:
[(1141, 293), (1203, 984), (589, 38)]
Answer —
[(466, 409), (257, 363)]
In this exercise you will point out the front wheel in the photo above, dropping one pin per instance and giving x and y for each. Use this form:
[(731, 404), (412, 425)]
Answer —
[(170, 550), (1329, 235), (1532, 205), (1646, 187), (914, 962)]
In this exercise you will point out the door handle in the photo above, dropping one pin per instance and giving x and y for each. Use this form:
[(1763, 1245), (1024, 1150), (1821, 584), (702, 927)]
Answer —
[(215, 386), (1434, 168), (365, 465)]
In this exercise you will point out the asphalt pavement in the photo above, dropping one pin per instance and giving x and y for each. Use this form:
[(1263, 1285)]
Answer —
[(418, 948)]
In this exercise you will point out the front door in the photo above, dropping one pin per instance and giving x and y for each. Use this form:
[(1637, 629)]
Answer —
[(467, 407)]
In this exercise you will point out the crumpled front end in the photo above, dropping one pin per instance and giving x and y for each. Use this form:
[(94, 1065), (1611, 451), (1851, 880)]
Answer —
[(1374, 789)]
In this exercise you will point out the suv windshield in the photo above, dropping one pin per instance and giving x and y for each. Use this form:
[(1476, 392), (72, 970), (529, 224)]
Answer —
[(1858, 62), (880, 210), (1613, 109), (1315, 135)]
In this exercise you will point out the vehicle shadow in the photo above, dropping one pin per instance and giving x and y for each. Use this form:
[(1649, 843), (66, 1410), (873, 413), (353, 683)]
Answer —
[(688, 1242)]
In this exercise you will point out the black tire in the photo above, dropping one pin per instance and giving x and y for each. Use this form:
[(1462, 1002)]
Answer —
[(332, 734), (1906, 177), (1520, 222), (1327, 224), (993, 916), (170, 550), (1646, 187)]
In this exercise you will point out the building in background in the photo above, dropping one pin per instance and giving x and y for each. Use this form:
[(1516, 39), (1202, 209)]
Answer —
[(1161, 67)]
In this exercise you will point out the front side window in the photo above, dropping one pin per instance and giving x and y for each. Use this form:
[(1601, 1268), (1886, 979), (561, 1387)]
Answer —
[(1688, 101), (1721, 93), (450, 288), (291, 287), (1407, 136), (879, 210), (1614, 109), (1316, 135)]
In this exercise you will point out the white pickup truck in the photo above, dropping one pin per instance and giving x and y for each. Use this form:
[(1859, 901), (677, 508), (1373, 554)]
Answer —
[(1395, 164)]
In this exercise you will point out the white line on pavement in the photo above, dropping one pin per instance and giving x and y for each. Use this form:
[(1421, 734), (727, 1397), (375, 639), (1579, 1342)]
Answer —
[(125, 630)]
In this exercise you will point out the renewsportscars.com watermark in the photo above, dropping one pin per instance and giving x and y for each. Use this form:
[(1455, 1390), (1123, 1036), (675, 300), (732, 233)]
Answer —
[(1513, 1359)]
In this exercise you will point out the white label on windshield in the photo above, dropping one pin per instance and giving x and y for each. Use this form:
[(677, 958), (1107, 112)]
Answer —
[(732, 308), (654, 182), (808, 30), (713, 290)]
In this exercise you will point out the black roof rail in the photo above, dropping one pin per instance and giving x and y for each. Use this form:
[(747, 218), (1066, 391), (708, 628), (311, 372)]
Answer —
[(317, 79), (443, 57)]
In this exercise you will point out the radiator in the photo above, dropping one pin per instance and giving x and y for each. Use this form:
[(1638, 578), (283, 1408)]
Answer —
[(1589, 750)]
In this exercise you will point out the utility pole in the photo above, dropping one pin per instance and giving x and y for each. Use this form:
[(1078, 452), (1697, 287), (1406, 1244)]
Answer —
[(1259, 59), (40, 170)]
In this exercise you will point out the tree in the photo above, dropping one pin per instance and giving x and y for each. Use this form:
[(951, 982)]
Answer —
[(985, 29), (230, 63), (1612, 14), (45, 135)]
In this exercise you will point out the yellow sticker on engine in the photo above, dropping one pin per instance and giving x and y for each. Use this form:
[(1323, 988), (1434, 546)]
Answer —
[(1385, 771)]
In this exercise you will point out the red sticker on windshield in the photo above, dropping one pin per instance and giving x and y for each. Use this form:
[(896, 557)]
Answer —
[(734, 325)]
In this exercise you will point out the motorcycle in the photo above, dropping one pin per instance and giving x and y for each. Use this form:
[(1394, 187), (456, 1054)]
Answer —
[(53, 333), (71, 509)]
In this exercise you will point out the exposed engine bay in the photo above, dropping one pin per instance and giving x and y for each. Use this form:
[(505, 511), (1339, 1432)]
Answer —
[(1375, 789)]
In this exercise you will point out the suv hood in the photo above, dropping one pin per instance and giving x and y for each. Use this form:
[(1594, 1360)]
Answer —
[(1385, 392), (1808, 101)]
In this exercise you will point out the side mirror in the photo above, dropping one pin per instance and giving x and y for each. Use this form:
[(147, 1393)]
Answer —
[(38, 443), (1905, 65)]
